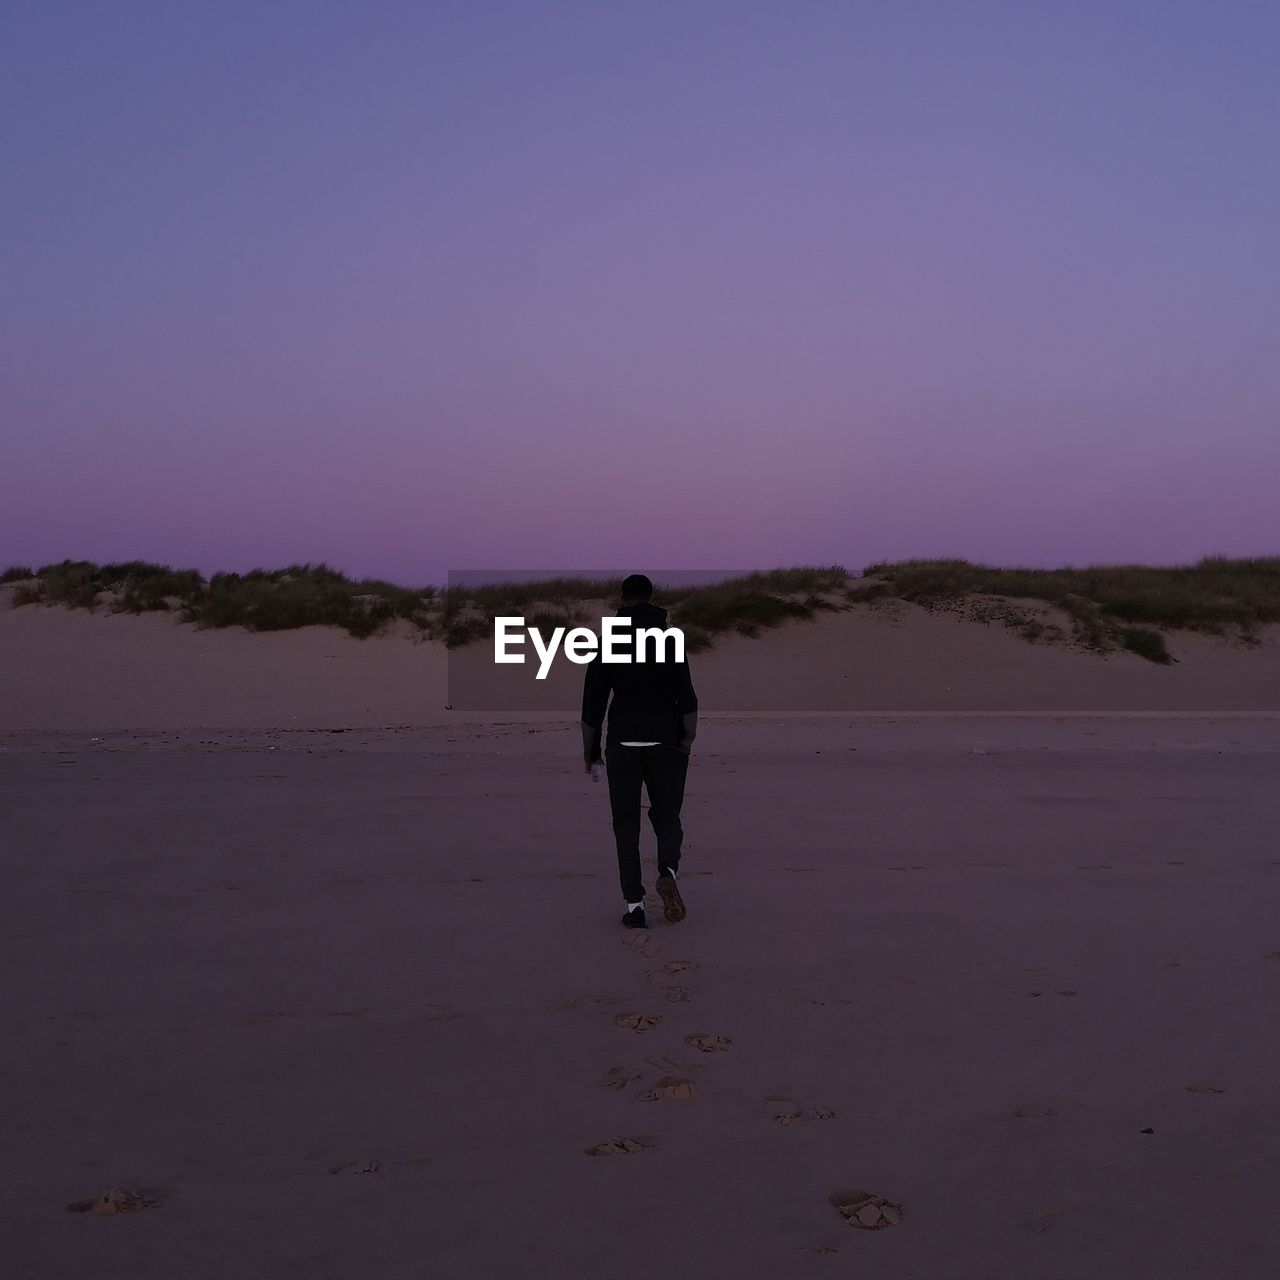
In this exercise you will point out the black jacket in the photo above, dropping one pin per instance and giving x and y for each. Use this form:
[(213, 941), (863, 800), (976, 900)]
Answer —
[(652, 701)]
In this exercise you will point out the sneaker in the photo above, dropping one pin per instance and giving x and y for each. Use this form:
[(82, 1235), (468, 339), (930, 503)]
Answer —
[(635, 919), (672, 902)]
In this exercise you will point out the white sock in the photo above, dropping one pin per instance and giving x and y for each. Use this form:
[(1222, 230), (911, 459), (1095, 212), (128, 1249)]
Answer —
[(631, 906)]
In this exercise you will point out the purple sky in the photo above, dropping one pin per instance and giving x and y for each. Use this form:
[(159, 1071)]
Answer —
[(411, 286)]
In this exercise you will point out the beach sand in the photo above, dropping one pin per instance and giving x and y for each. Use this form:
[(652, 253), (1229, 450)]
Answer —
[(984, 929), (1016, 974)]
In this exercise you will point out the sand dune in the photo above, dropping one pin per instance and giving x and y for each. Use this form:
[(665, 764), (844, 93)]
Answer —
[(69, 670)]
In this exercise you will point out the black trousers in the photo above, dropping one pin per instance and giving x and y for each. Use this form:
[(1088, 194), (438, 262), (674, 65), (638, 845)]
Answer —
[(661, 770)]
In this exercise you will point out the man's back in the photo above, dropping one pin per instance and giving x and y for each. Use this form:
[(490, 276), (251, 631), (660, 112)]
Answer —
[(650, 699)]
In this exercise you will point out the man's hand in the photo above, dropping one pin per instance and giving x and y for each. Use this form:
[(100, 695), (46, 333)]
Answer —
[(590, 746)]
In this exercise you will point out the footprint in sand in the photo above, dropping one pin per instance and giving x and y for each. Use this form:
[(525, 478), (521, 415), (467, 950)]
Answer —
[(670, 1064), (622, 1146), (1204, 1086), (580, 1002), (862, 1209), (1039, 1223), (1025, 1113), (267, 1015), (643, 944), (120, 1200), (789, 1119), (678, 1088), (674, 966), (637, 1021), (675, 994), (356, 1166), (707, 1043), (620, 1077)]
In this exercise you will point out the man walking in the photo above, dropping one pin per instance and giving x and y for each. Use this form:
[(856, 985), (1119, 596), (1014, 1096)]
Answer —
[(653, 718)]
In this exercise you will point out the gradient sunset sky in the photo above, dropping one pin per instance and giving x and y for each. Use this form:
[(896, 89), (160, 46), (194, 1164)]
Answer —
[(406, 287)]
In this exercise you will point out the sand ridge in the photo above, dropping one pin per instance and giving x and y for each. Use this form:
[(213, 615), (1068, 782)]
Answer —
[(67, 670)]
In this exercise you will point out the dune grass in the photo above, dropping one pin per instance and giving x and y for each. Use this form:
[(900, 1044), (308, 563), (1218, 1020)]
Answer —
[(304, 596), (300, 595), (746, 605), (316, 595), (467, 613), (1110, 606), (137, 587), (755, 603), (1105, 607)]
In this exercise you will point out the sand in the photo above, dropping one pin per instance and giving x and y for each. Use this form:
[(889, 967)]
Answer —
[(69, 670), (360, 1003), (960, 964)]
